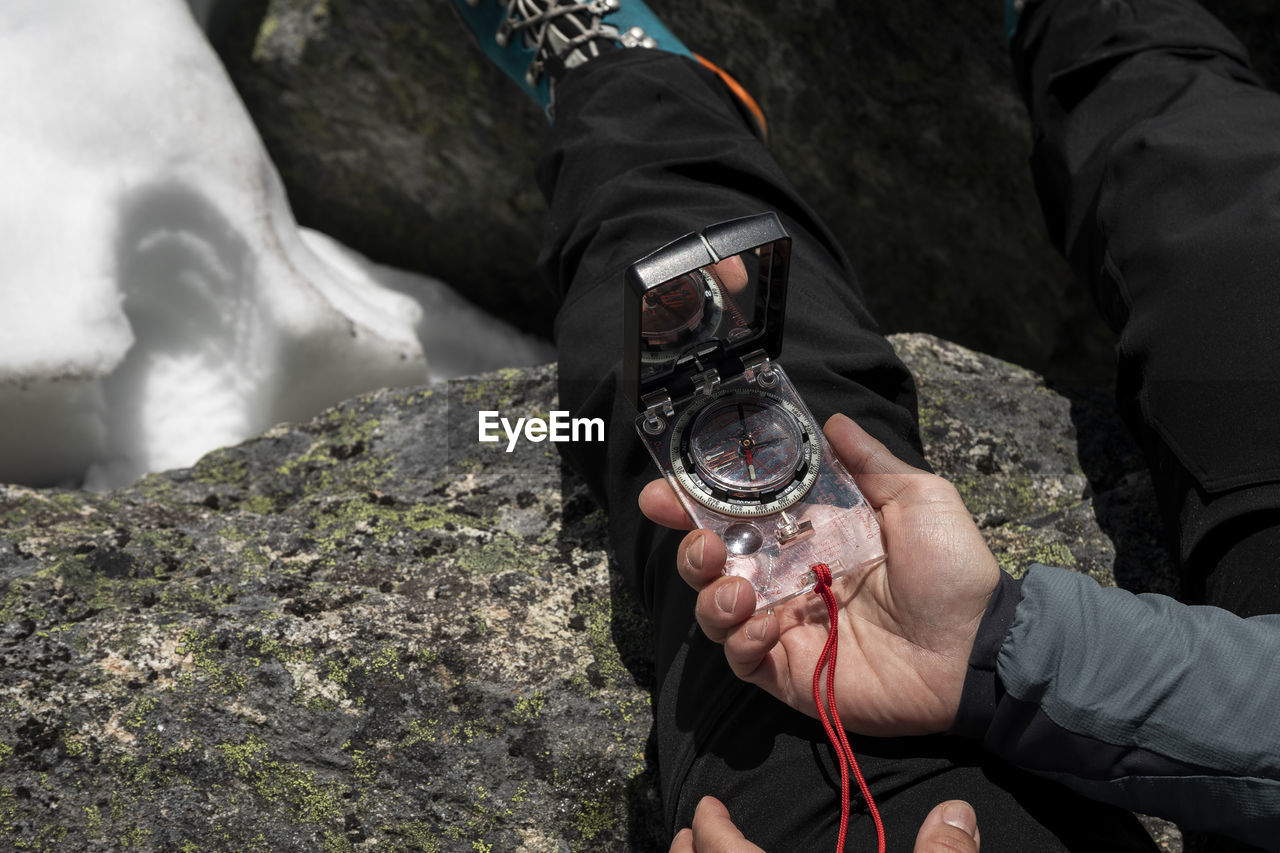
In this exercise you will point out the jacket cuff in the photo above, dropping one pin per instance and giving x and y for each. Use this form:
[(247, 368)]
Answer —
[(982, 688)]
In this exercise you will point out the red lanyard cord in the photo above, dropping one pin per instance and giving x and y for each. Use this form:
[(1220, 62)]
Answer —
[(832, 725)]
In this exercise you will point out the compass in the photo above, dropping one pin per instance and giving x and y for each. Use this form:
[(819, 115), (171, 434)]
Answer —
[(745, 452), (703, 319)]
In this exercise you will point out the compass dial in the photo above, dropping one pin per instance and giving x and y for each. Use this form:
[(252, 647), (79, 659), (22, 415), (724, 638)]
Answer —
[(745, 452)]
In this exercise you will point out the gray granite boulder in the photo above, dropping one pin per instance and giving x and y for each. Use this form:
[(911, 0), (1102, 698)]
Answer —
[(372, 632)]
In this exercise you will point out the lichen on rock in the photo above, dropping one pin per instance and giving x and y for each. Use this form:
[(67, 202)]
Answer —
[(337, 636)]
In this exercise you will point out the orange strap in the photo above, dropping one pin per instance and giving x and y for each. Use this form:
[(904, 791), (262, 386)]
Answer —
[(740, 92)]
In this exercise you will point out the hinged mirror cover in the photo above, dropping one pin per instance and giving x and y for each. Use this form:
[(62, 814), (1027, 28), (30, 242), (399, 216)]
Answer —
[(702, 302)]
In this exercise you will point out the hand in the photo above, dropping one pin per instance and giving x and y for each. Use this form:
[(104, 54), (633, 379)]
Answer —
[(951, 827), (906, 626)]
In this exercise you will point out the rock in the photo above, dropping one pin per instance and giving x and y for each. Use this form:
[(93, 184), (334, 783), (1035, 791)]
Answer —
[(432, 166), (369, 631), (904, 131), (1049, 478)]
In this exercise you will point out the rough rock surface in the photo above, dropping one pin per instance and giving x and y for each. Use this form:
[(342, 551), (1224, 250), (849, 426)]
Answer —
[(904, 130), (371, 632)]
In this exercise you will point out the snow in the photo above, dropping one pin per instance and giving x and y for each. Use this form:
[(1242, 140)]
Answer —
[(157, 298)]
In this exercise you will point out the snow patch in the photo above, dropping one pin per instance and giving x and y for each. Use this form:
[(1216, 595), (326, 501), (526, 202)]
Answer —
[(157, 298)]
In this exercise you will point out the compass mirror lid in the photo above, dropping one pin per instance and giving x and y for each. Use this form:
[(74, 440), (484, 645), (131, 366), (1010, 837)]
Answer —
[(702, 302)]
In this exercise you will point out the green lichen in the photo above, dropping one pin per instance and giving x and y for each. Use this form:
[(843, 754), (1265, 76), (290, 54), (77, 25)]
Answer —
[(597, 806), (1024, 497), (266, 32), (339, 670), (259, 505), (420, 731), (221, 469), (156, 488), (342, 457), (154, 765), (927, 416), (596, 817), (93, 816), (260, 647), (413, 398), (610, 632), (94, 590), (29, 513), (141, 710), (1011, 565), (468, 730), (192, 596), (529, 707), (204, 656), (386, 662), (1014, 558), (486, 814), (383, 664), (1055, 554), (504, 552), (363, 768), (287, 787), (72, 745), (415, 836), (135, 837), (338, 523), (1014, 495), (971, 492)]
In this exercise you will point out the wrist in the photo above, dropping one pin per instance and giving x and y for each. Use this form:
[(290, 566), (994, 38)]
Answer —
[(982, 689)]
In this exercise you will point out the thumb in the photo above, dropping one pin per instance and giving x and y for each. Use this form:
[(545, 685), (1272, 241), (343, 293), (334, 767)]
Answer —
[(952, 827), (881, 475), (714, 832)]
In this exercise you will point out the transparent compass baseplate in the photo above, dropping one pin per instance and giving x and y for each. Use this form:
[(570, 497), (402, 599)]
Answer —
[(829, 521)]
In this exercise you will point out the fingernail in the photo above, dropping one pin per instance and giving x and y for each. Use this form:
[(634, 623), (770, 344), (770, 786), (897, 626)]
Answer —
[(758, 627), (961, 817), (695, 552), (727, 596)]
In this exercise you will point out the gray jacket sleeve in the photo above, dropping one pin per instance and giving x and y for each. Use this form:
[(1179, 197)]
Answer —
[(1135, 700)]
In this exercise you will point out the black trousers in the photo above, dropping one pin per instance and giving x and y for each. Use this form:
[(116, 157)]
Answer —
[(1157, 160), (647, 147)]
